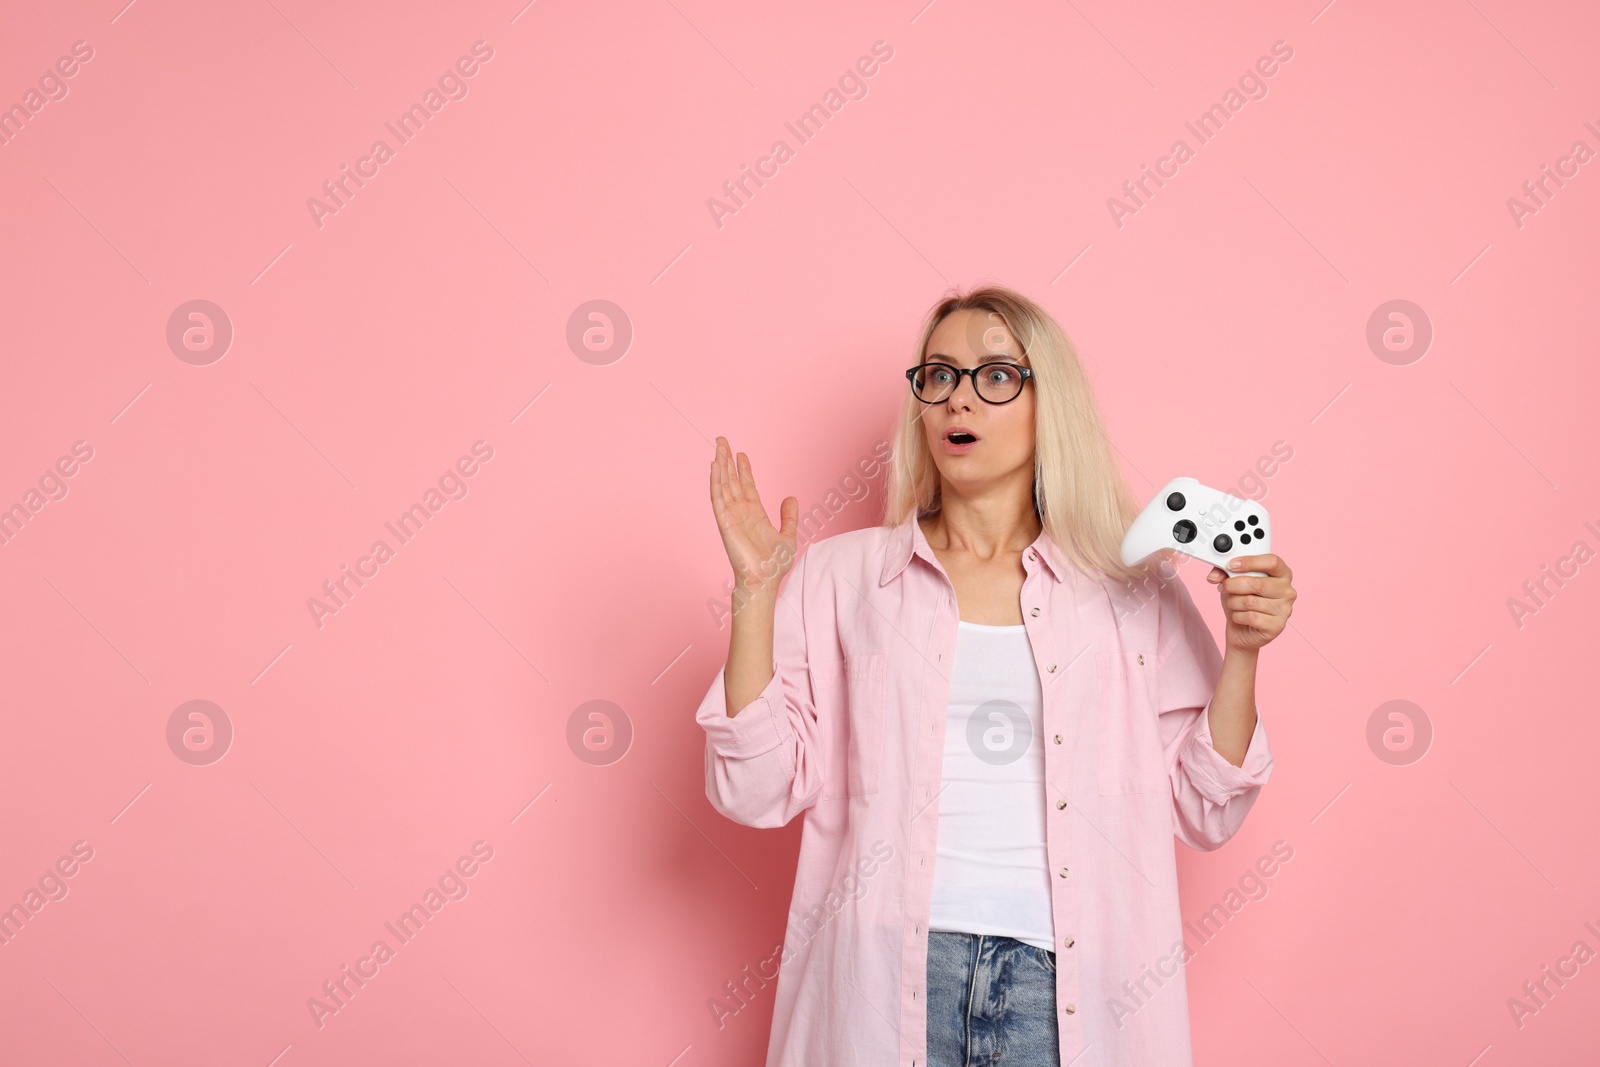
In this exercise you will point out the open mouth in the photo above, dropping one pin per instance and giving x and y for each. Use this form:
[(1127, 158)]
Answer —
[(960, 437)]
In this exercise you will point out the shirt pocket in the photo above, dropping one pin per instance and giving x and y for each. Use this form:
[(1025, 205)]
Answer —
[(853, 693), (1130, 755)]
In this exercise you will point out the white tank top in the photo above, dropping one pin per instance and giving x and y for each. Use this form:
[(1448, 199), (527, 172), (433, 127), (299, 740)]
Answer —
[(990, 872)]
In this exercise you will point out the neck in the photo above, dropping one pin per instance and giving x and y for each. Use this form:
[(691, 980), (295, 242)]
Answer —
[(981, 528)]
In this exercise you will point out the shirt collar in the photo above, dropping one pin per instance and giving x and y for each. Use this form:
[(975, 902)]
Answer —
[(907, 540)]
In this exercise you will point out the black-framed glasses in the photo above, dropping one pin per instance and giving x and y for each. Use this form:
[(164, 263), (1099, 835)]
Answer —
[(997, 383)]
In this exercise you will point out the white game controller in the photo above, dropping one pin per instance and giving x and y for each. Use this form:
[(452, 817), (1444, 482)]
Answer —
[(1198, 521)]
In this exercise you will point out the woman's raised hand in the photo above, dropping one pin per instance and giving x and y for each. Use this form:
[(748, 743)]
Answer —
[(760, 554)]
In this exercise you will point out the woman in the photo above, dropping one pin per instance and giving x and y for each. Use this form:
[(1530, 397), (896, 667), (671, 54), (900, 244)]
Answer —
[(994, 728)]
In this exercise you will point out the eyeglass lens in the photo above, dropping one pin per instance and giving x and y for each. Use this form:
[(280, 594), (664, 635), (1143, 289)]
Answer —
[(996, 382)]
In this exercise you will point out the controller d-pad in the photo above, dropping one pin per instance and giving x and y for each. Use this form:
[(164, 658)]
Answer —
[(1175, 502), (1184, 530), (1222, 542)]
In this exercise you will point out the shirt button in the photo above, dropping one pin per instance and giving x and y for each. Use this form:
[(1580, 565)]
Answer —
[(1058, 739), (1063, 874), (1031, 555), (1141, 659), (1068, 941), (1061, 803), (1070, 1008), (1051, 668), (1035, 611)]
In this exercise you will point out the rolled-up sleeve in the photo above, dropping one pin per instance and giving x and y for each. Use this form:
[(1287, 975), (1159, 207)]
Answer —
[(1210, 796), (763, 765)]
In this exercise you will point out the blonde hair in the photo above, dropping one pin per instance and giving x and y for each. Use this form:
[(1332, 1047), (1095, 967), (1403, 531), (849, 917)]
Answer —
[(1079, 494)]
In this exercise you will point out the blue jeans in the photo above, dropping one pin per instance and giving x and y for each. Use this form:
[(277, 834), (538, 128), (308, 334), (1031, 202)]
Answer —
[(991, 999)]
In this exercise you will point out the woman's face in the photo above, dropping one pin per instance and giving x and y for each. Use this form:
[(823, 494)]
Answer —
[(1005, 432)]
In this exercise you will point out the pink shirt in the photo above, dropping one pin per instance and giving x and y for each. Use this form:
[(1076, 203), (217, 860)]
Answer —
[(850, 731)]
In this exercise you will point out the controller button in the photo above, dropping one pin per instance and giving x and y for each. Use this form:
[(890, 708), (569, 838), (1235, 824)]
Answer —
[(1238, 524), (1244, 539), (1222, 542), (1175, 501), (1184, 531), (1252, 520)]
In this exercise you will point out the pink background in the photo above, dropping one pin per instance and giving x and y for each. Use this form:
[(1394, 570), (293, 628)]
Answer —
[(432, 711)]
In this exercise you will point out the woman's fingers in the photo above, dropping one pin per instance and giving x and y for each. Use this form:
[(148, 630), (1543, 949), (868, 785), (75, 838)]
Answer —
[(1251, 583), (752, 542), (1245, 602), (1270, 562), (735, 484), (749, 475), (727, 477), (1267, 624), (725, 490), (718, 490), (740, 476)]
